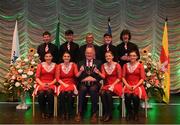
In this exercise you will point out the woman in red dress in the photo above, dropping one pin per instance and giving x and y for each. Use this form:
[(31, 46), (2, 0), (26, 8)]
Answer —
[(45, 88), (133, 78), (111, 73), (66, 76)]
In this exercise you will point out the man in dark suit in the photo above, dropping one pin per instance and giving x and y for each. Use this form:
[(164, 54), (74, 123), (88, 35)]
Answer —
[(69, 46), (125, 47), (89, 83), (89, 43), (47, 46), (107, 46)]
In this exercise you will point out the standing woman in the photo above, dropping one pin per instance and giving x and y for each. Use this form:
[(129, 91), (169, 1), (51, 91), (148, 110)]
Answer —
[(133, 78), (45, 88), (111, 73), (66, 76)]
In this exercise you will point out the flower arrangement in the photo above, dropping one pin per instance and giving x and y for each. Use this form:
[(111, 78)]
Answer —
[(21, 75), (154, 76)]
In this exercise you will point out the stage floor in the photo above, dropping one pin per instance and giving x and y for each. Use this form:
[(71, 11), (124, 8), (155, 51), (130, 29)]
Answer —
[(159, 114)]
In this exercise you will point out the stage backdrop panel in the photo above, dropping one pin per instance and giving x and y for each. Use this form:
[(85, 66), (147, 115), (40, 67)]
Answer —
[(144, 18)]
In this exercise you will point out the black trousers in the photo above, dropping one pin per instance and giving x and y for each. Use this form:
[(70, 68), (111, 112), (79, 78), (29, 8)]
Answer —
[(132, 103), (107, 102), (93, 91), (46, 101), (66, 103)]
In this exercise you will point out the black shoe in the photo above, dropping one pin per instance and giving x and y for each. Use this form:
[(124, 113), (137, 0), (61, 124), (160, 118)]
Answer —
[(49, 115), (43, 115), (107, 118)]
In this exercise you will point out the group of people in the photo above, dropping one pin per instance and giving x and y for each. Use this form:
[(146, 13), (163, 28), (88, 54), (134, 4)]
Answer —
[(73, 70)]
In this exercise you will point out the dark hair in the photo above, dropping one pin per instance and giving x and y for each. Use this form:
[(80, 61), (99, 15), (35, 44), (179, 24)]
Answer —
[(69, 32), (48, 52), (125, 32), (66, 52), (47, 33), (110, 53), (107, 34), (134, 51)]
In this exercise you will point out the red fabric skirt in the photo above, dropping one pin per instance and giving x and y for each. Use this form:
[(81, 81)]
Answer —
[(117, 88), (139, 91), (38, 87)]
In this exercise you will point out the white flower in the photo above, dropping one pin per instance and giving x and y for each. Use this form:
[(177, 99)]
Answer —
[(6, 84), (18, 67), (36, 55), (17, 84), (24, 76), (145, 67), (10, 88), (149, 54), (13, 77), (20, 71), (18, 59), (12, 81), (32, 63), (148, 74), (148, 85), (26, 60), (25, 83), (30, 73)]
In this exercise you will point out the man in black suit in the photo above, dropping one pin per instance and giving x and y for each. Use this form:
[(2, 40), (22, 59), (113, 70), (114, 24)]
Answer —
[(47, 46), (69, 46), (89, 83), (125, 47), (89, 43), (107, 46)]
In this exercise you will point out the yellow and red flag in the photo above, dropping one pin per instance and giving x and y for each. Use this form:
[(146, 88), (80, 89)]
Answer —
[(165, 64)]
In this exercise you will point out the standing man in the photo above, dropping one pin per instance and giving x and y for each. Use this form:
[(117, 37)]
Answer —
[(47, 46), (125, 47), (107, 46), (89, 43), (69, 46), (89, 83)]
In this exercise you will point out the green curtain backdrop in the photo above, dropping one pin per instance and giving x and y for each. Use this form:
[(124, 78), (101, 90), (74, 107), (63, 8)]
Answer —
[(144, 18)]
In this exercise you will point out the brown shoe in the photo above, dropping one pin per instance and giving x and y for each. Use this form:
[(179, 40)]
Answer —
[(78, 117), (94, 118)]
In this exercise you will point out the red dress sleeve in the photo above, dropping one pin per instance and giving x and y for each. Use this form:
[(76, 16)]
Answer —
[(38, 71), (142, 72), (119, 71), (124, 71), (58, 72)]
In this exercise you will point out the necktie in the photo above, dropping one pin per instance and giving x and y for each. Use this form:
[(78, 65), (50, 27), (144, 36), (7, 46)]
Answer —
[(125, 46), (107, 48), (46, 48), (68, 46)]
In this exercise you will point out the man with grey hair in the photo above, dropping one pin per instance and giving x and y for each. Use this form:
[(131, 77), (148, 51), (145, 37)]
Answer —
[(88, 83)]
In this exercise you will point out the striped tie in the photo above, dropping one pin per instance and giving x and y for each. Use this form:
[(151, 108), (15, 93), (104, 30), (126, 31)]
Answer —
[(46, 48), (68, 46)]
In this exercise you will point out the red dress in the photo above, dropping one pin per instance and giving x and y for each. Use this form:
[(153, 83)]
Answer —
[(133, 76), (67, 75), (46, 75), (112, 73)]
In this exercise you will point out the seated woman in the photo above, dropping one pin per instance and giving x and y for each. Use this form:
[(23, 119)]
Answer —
[(111, 73), (66, 76), (133, 77), (45, 88)]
